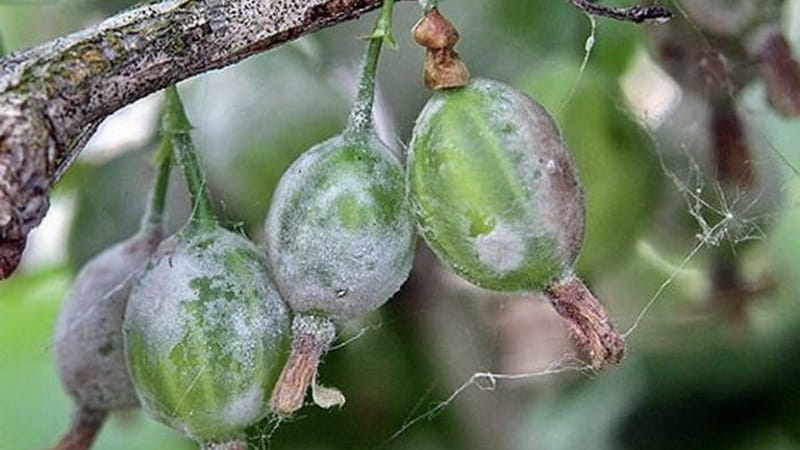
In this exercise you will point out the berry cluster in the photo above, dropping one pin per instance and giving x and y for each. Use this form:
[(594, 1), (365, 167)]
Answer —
[(210, 333)]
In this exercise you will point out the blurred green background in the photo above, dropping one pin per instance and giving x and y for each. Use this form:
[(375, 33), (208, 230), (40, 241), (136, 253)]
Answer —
[(695, 375)]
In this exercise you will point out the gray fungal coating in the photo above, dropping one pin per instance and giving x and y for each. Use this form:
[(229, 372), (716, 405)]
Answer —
[(206, 334), (88, 334), (339, 232)]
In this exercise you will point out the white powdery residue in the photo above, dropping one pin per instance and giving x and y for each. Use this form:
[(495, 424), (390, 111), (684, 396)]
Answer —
[(543, 162), (323, 264), (502, 249), (248, 331), (362, 266), (346, 184), (245, 408), (431, 108), (273, 322), (157, 307)]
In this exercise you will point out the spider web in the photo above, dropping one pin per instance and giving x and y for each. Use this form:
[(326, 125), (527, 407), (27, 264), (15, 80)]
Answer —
[(722, 217)]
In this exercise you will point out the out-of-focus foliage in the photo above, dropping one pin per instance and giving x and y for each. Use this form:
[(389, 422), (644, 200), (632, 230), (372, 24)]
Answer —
[(691, 379), (111, 200)]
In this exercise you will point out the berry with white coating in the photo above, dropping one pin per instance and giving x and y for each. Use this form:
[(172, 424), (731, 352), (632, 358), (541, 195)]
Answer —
[(496, 197), (493, 187)]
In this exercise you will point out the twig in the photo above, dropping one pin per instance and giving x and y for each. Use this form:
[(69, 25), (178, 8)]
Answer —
[(53, 95), (636, 14)]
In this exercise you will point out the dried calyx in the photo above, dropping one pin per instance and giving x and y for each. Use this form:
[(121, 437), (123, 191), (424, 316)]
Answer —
[(311, 339), (88, 336), (443, 67)]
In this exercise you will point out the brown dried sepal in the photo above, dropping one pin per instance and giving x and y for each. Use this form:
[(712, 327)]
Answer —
[(587, 320), (311, 338), (780, 72), (434, 31), (443, 67)]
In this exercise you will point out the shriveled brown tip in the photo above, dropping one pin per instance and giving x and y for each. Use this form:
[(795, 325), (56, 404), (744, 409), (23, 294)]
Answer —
[(311, 337), (780, 72), (587, 320), (444, 69), (434, 31), (10, 255)]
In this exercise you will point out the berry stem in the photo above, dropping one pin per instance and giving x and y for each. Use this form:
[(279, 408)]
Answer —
[(311, 338), (177, 128), (588, 321), (360, 121), (85, 426), (154, 216)]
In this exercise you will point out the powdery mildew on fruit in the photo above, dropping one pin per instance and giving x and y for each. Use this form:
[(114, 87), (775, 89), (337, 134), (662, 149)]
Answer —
[(493, 187), (544, 163), (88, 334), (503, 248), (332, 261), (209, 298), (240, 409)]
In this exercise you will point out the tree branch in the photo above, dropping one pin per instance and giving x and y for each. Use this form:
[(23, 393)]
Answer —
[(636, 14), (53, 96)]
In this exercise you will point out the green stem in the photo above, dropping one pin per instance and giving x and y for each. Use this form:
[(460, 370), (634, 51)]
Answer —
[(360, 121), (154, 216), (177, 127)]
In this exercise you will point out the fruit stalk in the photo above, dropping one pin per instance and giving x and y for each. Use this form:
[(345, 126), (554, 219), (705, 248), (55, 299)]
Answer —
[(154, 216), (176, 123), (588, 321), (360, 121), (86, 424), (311, 338)]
